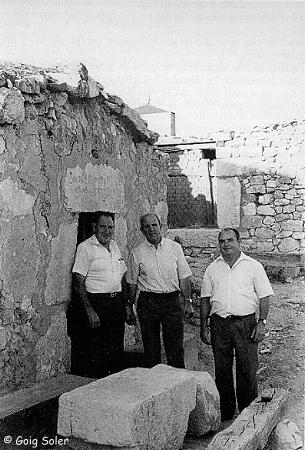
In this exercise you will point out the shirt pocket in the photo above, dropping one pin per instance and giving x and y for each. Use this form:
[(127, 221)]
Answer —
[(116, 265), (170, 268)]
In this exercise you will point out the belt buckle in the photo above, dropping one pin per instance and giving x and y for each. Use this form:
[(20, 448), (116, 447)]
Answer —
[(113, 294)]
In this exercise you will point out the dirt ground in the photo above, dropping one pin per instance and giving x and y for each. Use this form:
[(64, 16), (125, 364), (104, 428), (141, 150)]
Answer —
[(281, 354)]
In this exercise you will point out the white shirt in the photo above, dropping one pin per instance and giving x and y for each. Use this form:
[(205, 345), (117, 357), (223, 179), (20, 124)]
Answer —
[(157, 270), (235, 290), (103, 270)]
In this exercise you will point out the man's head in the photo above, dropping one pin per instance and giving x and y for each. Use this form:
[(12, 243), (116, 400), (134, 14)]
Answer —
[(229, 243), (151, 228), (103, 227)]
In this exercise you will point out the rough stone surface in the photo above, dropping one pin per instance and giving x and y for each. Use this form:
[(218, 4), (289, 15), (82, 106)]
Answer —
[(285, 436), (138, 408), (11, 106), (228, 202), (205, 238), (205, 416), (68, 154), (16, 200), (52, 350), (58, 282)]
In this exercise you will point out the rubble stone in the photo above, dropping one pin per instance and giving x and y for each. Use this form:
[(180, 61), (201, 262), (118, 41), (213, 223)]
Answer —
[(288, 245), (11, 106)]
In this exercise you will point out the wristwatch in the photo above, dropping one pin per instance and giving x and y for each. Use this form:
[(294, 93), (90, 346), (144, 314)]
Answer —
[(263, 320)]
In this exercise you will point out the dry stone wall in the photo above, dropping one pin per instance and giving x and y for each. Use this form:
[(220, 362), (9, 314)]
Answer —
[(259, 186), (266, 168), (65, 148)]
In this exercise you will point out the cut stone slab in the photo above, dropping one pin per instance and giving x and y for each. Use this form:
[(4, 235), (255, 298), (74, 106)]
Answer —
[(138, 408), (38, 393), (205, 416), (251, 429)]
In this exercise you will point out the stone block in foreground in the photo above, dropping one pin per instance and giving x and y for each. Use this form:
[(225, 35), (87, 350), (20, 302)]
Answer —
[(251, 429), (137, 408), (205, 416)]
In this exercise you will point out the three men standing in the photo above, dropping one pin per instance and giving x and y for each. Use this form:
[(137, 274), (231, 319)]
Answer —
[(159, 270), (234, 287)]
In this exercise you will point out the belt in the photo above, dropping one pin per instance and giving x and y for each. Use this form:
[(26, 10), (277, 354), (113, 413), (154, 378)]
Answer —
[(232, 317), (160, 294), (106, 294), (112, 294)]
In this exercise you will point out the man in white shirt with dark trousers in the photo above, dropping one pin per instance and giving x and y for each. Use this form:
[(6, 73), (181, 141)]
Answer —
[(235, 289), (98, 272), (159, 270)]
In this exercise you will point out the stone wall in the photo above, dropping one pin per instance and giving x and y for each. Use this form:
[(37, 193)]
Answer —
[(64, 149), (259, 186)]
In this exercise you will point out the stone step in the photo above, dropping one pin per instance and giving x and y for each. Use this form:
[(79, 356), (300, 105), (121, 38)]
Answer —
[(39, 393)]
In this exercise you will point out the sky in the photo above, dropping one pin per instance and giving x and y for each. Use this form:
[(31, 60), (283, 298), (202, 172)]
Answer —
[(218, 65)]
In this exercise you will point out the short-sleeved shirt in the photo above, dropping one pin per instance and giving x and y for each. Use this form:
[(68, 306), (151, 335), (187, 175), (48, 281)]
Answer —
[(157, 269), (103, 270), (235, 290)]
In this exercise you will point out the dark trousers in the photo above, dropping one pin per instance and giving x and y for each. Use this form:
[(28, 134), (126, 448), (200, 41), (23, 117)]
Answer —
[(229, 336), (154, 311), (99, 352)]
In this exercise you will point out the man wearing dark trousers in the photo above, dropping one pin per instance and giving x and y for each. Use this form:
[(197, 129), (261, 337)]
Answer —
[(235, 288), (98, 272), (159, 270)]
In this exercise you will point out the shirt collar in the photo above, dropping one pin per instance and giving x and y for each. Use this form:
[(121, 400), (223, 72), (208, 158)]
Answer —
[(94, 241), (161, 244), (241, 257)]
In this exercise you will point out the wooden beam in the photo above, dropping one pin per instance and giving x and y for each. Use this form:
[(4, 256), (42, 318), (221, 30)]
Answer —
[(39, 393), (251, 429)]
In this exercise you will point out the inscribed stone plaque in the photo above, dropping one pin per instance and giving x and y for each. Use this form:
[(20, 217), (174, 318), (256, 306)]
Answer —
[(94, 188)]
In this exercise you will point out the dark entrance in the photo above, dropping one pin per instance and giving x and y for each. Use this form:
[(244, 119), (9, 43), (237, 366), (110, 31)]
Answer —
[(184, 209)]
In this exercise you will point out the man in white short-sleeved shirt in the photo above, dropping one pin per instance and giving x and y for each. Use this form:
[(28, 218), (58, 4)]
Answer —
[(234, 289), (98, 272), (158, 269)]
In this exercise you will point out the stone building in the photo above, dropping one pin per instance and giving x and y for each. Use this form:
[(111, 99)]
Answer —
[(257, 181), (67, 149)]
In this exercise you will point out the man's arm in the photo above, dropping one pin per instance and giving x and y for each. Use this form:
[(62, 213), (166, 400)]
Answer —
[(258, 332), (79, 285), (205, 308), (185, 287), (130, 315)]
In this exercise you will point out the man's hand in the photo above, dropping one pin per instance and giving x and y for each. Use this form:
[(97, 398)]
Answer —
[(93, 319), (188, 309), (130, 315), (258, 332), (205, 335)]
